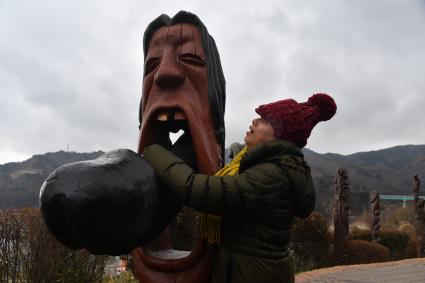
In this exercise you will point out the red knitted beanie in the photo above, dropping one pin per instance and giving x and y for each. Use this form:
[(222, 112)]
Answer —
[(293, 121)]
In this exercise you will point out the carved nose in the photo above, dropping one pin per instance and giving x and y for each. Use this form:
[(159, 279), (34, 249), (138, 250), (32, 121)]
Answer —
[(170, 74)]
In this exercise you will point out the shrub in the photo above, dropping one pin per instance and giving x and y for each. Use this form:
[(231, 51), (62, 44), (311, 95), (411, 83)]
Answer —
[(29, 253), (396, 241), (393, 218), (411, 251), (362, 252), (124, 277), (408, 228), (310, 242), (302, 265), (360, 234), (78, 266)]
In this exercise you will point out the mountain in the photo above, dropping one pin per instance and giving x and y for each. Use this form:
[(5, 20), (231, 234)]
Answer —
[(389, 171), (20, 182)]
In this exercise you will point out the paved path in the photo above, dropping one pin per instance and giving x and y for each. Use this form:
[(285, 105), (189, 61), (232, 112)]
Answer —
[(404, 271)]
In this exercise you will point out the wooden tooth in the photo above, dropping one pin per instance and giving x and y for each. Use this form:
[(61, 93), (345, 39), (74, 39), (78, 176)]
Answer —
[(179, 116), (163, 117)]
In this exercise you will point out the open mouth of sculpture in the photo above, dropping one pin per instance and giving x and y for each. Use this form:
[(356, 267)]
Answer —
[(173, 129), (170, 128)]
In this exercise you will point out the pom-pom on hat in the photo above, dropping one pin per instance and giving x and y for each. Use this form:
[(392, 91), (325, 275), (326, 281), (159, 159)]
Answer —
[(293, 121)]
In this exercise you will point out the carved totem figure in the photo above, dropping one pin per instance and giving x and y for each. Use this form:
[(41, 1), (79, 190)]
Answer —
[(340, 216), (183, 88), (376, 212), (419, 217), (115, 204)]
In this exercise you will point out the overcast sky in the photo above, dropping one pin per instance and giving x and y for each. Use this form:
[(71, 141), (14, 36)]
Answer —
[(71, 71)]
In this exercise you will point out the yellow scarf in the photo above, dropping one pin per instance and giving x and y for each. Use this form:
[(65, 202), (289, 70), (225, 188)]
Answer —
[(210, 223)]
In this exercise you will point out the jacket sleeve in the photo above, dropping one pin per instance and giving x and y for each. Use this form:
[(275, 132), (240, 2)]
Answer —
[(304, 196), (243, 194)]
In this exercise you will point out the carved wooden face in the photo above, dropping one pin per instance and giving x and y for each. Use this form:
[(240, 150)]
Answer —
[(175, 96)]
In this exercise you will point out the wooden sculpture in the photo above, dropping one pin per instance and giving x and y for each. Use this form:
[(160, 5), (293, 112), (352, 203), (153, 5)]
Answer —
[(340, 216)]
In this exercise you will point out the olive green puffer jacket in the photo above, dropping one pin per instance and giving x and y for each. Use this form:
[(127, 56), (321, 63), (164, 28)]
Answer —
[(258, 205)]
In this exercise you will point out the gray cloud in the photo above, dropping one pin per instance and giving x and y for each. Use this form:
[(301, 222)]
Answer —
[(70, 72)]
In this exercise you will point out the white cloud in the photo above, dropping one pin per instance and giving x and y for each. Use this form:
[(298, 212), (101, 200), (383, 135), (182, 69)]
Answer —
[(70, 71)]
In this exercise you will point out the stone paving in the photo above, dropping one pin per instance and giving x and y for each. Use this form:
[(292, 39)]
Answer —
[(404, 271)]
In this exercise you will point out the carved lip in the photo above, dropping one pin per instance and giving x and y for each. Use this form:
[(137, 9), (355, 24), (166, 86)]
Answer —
[(173, 265)]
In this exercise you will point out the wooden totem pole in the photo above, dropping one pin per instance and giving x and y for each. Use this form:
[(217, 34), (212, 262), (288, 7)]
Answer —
[(340, 216), (376, 212), (419, 218)]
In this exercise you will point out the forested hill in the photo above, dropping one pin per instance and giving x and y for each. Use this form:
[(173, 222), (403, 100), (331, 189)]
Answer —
[(20, 182), (388, 171)]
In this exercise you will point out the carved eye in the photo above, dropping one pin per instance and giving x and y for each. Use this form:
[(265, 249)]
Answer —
[(151, 64), (192, 59)]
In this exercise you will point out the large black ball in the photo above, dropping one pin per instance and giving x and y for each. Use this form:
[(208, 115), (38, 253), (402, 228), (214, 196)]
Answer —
[(109, 205)]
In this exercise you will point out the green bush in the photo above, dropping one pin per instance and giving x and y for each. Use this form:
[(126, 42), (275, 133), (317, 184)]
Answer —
[(124, 277), (29, 253), (362, 252), (310, 242), (302, 265), (394, 217), (408, 228), (360, 234), (78, 266), (411, 251), (396, 241)]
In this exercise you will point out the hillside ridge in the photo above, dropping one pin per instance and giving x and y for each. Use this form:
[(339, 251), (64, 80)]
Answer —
[(388, 171)]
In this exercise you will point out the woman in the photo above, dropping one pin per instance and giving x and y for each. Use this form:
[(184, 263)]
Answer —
[(273, 184)]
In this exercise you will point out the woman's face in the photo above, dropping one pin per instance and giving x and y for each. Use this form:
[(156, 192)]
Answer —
[(260, 131)]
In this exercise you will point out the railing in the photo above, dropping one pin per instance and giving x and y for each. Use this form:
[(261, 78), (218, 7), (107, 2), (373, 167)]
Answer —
[(398, 197), (403, 198)]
